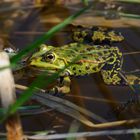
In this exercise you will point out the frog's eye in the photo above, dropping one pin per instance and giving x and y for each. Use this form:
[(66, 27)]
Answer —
[(49, 57)]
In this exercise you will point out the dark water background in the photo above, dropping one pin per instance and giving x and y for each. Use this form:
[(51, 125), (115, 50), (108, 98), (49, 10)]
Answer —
[(87, 86)]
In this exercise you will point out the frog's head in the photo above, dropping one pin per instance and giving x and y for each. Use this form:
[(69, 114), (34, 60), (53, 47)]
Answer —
[(48, 59)]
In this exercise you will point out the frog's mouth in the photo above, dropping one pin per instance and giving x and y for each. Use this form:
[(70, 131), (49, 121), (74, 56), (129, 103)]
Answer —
[(47, 68), (48, 72), (41, 69)]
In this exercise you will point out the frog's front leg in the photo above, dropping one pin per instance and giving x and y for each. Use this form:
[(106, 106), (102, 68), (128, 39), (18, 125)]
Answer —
[(63, 86)]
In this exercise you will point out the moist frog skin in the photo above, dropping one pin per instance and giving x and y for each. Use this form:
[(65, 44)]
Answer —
[(90, 59)]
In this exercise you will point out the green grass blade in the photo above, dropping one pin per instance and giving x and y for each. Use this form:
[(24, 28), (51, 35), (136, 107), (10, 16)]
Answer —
[(133, 16), (126, 1), (47, 35), (85, 2), (129, 1)]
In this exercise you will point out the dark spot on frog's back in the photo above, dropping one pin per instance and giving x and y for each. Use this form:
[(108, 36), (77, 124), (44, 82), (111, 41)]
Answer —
[(100, 54), (87, 67), (111, 60), (80, 71), (89, 49), (97, 68), (84, 57), (75, 73), (74, 68), (94, 68), (97, 59), (76, 49)]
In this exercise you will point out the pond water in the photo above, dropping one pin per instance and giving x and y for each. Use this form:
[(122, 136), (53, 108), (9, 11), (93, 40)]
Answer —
[(89, 92)]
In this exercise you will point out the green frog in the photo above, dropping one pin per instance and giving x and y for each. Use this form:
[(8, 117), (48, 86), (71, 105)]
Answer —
[(80, 59), (96, 35)]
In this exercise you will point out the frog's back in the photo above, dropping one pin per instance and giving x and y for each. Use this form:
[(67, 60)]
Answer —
[(90, 59)]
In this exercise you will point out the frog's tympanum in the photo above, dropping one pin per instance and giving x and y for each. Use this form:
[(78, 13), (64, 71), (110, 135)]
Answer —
[(96, 35), (80, 59)]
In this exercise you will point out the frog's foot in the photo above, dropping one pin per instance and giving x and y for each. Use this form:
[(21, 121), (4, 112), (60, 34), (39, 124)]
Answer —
[(120, 79), (58, 91), (63, 87), (55, 92), (133, 80)]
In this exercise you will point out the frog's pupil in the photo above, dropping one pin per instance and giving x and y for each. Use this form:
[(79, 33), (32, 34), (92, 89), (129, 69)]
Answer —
[(50, 56)]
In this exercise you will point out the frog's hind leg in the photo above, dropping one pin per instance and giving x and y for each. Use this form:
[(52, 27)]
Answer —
[(111, 70)]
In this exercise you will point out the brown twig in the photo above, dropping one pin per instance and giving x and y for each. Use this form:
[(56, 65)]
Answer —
[(100, 125)]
